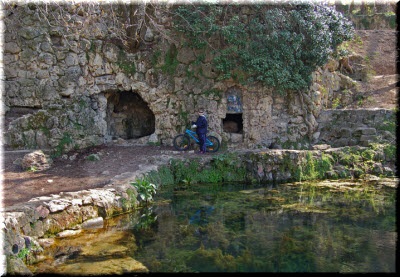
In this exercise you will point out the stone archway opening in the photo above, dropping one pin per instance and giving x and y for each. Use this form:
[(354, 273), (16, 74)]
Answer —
[(128, 116), (233, 123)]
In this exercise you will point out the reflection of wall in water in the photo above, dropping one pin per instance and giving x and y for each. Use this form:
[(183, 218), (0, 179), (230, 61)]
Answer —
[(128, 116)]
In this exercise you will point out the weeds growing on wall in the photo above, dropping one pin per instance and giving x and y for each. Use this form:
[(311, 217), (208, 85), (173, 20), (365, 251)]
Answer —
[(60, 148), (390, 151), (361, 161), (127, 66), (222, 168), (228, 167), (171, 62), (163, 176), (389, 125), (350, 162)]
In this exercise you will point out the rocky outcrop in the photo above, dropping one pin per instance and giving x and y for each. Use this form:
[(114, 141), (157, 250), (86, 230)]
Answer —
[(23, 224), (36, 161)]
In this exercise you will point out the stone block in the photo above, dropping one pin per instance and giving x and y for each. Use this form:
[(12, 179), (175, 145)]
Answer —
[(236, 138), (368, 138), (321, 147), (364, 131), (37, 160), (93, 223), (345, 132)]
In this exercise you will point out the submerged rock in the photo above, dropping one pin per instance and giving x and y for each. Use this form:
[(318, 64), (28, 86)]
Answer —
[(107, 267)]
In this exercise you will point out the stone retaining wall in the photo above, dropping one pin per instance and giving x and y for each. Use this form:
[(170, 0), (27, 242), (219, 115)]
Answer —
[(340, 128), (23, 225)]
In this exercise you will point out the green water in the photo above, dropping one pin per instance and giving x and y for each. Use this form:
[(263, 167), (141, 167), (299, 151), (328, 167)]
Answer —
[(299, 227)]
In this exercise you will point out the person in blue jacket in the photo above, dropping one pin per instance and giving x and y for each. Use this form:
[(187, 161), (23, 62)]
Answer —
[(201, 130)]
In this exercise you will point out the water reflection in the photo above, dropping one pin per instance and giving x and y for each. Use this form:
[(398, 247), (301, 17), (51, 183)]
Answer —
[(299, 227)]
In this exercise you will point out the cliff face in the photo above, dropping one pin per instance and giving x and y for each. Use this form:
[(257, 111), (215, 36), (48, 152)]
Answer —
[(77, 86)]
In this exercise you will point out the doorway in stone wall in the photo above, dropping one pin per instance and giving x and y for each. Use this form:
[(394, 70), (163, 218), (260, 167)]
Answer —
[(128, 116), (233, 123)]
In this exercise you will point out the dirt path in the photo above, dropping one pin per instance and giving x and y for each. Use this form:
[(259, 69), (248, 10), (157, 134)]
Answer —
[(74, 175)]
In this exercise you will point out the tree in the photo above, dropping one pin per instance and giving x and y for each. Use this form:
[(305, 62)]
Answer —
[(279, 46), (123, 23)]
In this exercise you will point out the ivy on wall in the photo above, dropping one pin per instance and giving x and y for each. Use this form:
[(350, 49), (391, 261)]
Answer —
[(278, 46)]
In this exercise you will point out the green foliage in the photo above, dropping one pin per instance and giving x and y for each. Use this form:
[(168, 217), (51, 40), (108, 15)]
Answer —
[(226, 167), (389, 124), (125, 64), (392, 19), (154, 143), (146, 219), (308, 171), (315, 169), (163, 176), (92, 157), (184, 170), (23, 253), (145, 189), (32, 169), (60, 148), (347, 157), (171, 61), (155, 57), (324, 164), (360, 161), (278, 46), (214, 92), (222, 168), (83, 104), (390, 151)]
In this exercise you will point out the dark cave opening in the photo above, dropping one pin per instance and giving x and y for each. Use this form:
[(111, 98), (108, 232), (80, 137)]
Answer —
[(128, 116), (233, 123)]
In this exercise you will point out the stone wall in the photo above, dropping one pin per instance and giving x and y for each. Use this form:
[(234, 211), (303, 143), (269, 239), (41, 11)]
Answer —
[(65, 83), (340, 128), (59, 87)]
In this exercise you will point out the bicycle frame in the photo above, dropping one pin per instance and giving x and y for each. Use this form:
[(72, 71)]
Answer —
[(193, 135), (183, 141)]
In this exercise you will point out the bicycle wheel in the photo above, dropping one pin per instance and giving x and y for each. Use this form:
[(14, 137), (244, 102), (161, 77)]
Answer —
[(212, 144), (181, 142)]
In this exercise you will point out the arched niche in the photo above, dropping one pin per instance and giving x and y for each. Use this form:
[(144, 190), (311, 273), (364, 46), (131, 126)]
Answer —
[(128, 116), (233, 121)]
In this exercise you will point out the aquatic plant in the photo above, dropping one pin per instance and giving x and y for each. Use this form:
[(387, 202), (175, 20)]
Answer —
[(145, 189)]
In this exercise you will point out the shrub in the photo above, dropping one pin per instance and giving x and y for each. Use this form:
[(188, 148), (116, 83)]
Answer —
[(145, 189)]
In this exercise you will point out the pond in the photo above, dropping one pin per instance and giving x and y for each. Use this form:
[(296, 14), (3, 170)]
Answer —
[(330, 226)]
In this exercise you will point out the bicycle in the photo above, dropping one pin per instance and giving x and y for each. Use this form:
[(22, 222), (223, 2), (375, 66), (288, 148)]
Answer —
[(182, 142)]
